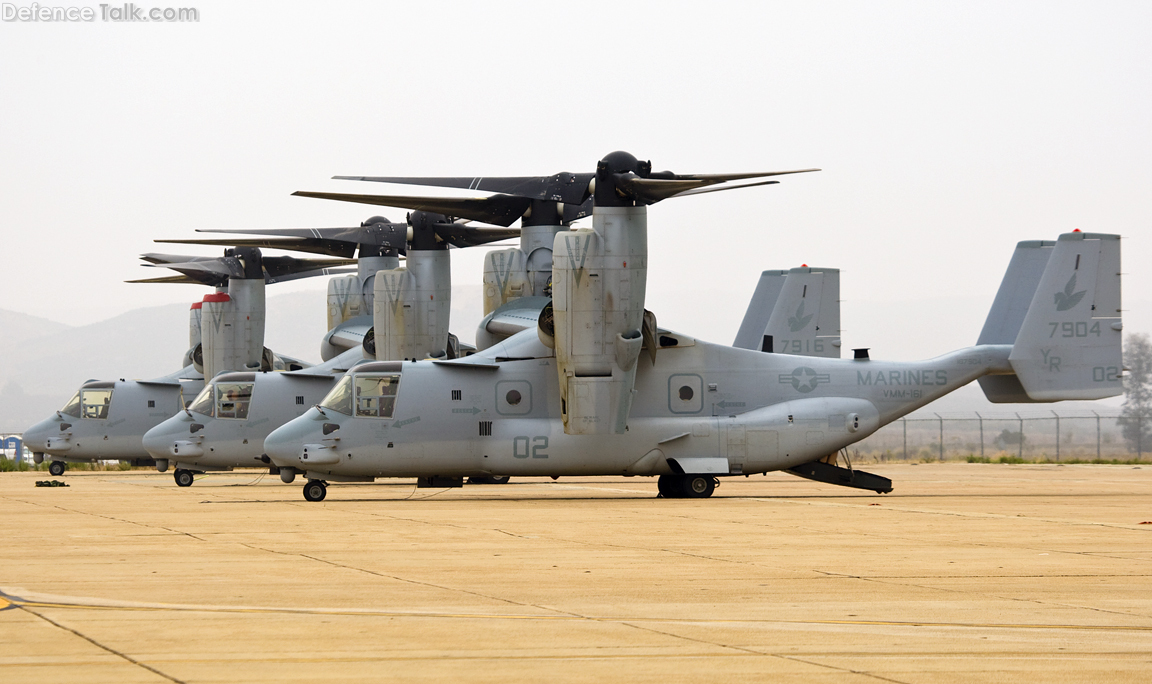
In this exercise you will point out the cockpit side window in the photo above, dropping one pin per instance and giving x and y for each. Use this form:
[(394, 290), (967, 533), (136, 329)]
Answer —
[(203, 403), (72, 408), (94, 403), (233, 399), (339, 398), (376, 395)]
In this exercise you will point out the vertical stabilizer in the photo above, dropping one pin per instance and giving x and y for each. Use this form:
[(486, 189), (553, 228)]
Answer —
[(1068, 346), (1008, 311), (751, 333)]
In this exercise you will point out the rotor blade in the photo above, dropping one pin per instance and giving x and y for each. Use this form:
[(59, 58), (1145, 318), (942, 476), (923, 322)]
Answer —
[(713, 178), (500, 210), (224, 267), (459, 235), (653, 190), (168, 279), (572, 212), (161, 259), (714, 188), (308, 274), (570, 188), (281, 268), (311, 245)]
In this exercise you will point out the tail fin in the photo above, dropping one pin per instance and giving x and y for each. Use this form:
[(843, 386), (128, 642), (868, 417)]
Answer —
[(806, 320), (1068, 346), (751, 333), (1008, 311)]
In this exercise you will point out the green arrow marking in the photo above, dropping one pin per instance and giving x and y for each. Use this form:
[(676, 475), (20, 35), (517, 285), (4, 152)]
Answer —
[(402, 423), (472, 410)]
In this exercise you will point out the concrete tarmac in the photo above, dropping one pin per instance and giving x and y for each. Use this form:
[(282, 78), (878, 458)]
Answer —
[(965, 573)]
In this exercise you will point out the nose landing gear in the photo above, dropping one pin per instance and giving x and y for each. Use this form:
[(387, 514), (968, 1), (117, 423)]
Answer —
[(184, 478), (315, 490), (57, 468)]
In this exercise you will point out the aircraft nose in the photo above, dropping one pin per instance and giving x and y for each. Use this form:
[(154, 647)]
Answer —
[(158, 440), (36, 437), (284, 445)]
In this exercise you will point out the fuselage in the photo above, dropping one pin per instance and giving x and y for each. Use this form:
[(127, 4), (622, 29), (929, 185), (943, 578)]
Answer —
[(499, 413), (107, 420), (225, 426)]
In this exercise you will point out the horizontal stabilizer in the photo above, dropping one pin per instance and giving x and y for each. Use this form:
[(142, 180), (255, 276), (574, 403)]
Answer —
[(1007, 314)]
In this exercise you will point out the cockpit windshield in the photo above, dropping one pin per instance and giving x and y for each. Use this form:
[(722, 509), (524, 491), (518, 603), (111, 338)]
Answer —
[(94, 403), (72, 408), (203, 403), (376, 395), (339, 398), (233, 399)]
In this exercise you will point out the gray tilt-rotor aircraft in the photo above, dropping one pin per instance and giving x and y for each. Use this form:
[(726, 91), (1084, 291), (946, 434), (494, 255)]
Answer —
[(577, 396)]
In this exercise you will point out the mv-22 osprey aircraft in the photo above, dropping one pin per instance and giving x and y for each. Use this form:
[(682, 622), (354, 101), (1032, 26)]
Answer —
[(599, 389)]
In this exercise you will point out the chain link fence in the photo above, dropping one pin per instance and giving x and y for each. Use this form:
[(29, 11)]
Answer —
[(1004, 436)]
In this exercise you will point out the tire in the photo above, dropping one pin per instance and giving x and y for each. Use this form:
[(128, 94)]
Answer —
[(315, 490), (698, 486), (669, 486), (184, 478), (57, 468)]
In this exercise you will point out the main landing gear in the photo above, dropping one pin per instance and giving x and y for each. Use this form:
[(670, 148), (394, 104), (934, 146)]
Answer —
[(315, 490), (490, 479), (184, 478), (686, 486), (57, 468)]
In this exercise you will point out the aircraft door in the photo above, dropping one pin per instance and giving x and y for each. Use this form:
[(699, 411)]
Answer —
[(763, 447), (737, 448)]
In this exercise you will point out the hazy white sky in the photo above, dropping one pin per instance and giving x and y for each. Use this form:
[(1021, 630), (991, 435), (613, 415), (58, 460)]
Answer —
[(947, 132)]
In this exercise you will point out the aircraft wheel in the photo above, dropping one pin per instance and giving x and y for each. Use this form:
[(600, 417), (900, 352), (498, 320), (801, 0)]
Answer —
[(184, 478), (315, 490), (56, 468), (699, 486), (669, 486)]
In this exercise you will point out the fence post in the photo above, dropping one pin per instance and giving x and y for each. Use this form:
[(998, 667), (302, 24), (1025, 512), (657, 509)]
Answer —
[(904, 421), (981, 419), (1057, 433), (941, 435), (1021, 436), (1097, 434)]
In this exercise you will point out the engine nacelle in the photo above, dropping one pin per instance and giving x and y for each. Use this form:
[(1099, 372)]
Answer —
[(345, 300), (232, 327), (505, 278), (598, 286), (351, 296), (411, 308)]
